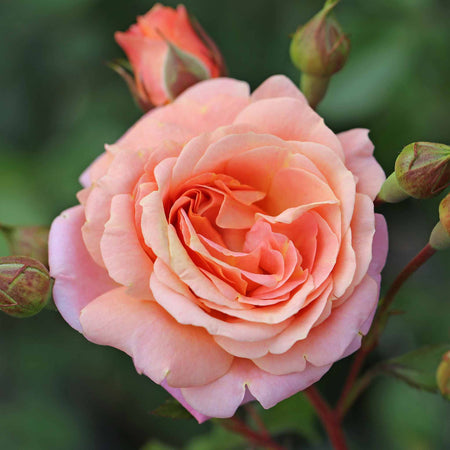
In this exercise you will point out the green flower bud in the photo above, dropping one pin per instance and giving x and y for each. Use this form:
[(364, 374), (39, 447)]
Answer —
[(29, 241), (444, 213), (319, 49), (440, 236), (25, 286), (443, 376), (423, 169), (390, 191)]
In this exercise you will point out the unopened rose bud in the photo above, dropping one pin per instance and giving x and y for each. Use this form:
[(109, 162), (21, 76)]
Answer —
[(443, 376), (390, 191), (29, 241), (25, 286), (319, 49), (444, 213), (423, 169), (440, 236)]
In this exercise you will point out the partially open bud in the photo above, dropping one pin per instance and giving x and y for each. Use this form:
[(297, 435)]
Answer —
[(168, 51), (443, 376), (423, 169), (319, 49), (29, 241), (440, 236), (25, 286)]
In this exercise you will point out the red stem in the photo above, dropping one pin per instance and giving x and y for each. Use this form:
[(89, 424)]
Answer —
[(328, 417), (238, 426), (253, 413), (371, 340)]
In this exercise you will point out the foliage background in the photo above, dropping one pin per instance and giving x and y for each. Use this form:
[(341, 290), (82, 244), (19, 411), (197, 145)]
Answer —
[(60, 104)]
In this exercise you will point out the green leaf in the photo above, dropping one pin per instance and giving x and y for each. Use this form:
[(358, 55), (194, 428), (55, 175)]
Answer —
[(172, 409), (417, 368)]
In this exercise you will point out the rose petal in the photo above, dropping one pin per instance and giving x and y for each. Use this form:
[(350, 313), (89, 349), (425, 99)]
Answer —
[(125, 259), (160, 347), (222, 397), (69, 263), (289, 119), (358, 150), (277, 86)]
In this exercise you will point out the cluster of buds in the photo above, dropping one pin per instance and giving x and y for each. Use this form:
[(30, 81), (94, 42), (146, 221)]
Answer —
[(25, 286), (319, 49)]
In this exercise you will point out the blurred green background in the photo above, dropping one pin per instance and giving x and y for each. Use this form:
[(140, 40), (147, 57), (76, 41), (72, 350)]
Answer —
[(60, 104)]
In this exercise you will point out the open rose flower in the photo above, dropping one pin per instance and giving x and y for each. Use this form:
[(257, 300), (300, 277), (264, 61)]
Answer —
[(228, 243), (168, 53)]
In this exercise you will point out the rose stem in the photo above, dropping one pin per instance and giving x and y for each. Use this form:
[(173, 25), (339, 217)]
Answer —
[(238, 426), (371, 340), (253, 413), (328, 418)]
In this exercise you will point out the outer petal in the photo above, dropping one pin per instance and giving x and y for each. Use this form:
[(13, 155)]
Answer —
[(161, 348), (222, 397), (78, 280), (327, 342), (176, 393), (358, 150), (201, 108), (147, 58), (278, 86), (290, 119)]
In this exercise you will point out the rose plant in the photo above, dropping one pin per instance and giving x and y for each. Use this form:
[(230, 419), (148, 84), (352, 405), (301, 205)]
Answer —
[(228, 243)]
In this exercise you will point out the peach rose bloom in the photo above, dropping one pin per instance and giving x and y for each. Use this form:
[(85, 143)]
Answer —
[(160, 72), (228, 243)]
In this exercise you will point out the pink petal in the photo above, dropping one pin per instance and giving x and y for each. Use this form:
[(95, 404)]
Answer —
[(327, 342), (277, 86), (78, 280), (222, 397), (176, 393), (289, 119), (176, 298), (336, 174), (358, 150), (160, 347), (379, 247), (125, 259), (201, 108), (122, 175)]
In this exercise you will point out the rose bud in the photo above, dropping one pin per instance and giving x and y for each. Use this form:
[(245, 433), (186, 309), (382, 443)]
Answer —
[(168, 52), (444, 213), (440, 236), (443, 376), (28, 241), (25, 286), (319, 49), (423, 169), (391, 191)]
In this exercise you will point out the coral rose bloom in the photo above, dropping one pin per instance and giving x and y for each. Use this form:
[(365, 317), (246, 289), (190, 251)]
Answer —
[(228, 243)]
